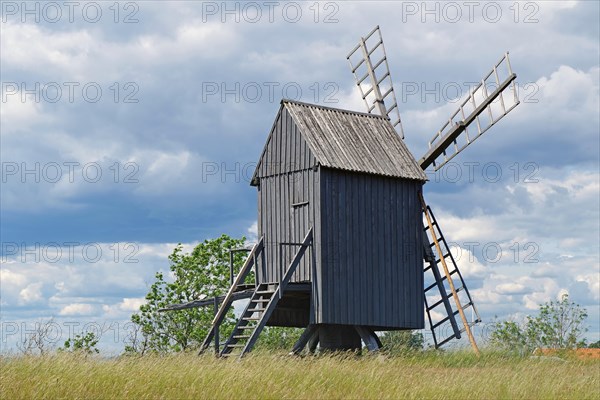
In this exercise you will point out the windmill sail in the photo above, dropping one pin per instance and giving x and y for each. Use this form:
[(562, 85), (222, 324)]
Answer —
[(486, 104), (368, 62)]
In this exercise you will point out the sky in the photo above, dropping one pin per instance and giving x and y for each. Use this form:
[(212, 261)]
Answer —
[(129, 127)]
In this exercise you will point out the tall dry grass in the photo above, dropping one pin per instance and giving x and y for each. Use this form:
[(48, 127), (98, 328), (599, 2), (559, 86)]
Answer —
[(452, 375)]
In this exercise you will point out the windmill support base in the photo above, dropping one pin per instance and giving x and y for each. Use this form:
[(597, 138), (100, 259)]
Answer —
[(332, 337)]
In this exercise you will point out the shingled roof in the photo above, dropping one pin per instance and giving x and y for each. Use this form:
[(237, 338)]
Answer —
[(353, 141)]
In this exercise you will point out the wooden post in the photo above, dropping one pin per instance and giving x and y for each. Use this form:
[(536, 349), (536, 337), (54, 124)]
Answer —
[(216, 305), (231, 267), (448, 277)]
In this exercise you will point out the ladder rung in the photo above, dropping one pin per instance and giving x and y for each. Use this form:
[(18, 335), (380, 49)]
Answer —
[(437, 303), (357, 66), (251, 318), (433, 223), (443, 342), (234, 345), (390, 90), (261, 300), (241, 337), (391, 108), (448, 296), (471, 324), (382, 78), (464, 307), (264, 292), (443, 320), (374, 48), (362, 79), (432, 244), (246, 327), (378, 64), (434, 284), (437, 260), (255, 310)]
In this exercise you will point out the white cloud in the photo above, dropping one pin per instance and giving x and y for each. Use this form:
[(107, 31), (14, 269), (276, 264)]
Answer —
[(253, 233), (77, 309), (467, 263), (123, 309), (10, 278), (19, 115), (510, 288), (592, 281), (84, 56), (31, 293), (132, 304)]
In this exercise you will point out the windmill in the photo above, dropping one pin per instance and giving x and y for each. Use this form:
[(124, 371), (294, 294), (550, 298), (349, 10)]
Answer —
[(346, 238)]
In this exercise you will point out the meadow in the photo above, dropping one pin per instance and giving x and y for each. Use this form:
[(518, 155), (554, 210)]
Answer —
[(431, 375)]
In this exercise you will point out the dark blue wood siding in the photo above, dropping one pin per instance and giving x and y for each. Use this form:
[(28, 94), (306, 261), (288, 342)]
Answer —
[(371, 266), (288, 199)]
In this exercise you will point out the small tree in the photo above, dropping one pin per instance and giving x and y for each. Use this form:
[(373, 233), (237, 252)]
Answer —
[(595, 345), (82, 343), (508, 335), (39, 340), (559, 325), (202, 273), (136, 341), (401, 342)]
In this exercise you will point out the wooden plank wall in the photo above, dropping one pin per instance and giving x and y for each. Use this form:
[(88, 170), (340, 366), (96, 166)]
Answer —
[(288, 198), (371, 267)]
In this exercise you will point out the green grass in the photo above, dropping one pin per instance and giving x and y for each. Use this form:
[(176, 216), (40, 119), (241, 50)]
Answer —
[(429, 375)]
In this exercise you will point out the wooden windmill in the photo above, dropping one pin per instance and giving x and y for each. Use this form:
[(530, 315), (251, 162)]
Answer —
[(347, 244)]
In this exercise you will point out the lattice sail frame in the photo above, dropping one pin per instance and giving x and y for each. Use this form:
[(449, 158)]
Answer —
[(370, 61), (454, 136)]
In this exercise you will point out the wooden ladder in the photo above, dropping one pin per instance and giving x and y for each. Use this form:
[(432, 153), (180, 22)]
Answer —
[(437, 254)]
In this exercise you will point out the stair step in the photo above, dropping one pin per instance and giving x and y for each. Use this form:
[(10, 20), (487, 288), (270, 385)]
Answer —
[(264, 292)]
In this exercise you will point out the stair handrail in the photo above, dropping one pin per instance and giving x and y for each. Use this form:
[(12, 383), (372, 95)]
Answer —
[(220, 315), (239, 279), (294, 264)]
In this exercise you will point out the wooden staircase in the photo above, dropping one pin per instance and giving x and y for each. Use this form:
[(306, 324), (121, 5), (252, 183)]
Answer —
[(237, 284), (252, 321), (259, 309)]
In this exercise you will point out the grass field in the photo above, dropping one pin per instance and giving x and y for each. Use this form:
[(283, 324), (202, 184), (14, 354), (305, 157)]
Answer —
[(451, 375)]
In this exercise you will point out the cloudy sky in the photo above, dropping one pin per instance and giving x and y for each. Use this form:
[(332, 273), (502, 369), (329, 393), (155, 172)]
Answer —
[(126, 129)]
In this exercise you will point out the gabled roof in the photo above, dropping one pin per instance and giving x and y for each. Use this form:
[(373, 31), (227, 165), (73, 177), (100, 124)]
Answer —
[(353, 141)]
